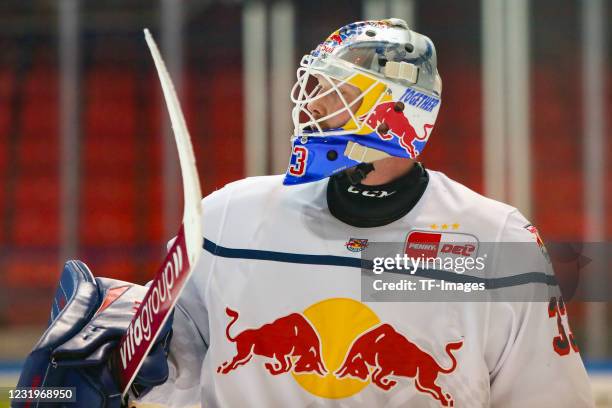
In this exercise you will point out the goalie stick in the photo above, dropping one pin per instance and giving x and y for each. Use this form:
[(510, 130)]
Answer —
[(172, 275)]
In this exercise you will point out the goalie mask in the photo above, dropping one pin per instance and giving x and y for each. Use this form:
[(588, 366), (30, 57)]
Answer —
[(387, 92)]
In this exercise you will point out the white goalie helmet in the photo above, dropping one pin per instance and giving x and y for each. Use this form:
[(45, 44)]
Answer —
[(395, 72)]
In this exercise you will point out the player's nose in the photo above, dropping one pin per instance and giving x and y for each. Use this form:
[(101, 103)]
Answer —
[(317, 108)]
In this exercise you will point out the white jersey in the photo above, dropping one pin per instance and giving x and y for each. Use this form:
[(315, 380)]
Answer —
[(273, 314)]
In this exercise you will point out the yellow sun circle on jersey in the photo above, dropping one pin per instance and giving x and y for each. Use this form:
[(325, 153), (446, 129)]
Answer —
[(339, 321)]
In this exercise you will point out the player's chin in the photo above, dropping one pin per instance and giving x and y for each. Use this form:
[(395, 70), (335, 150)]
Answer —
[(320, 126), (334, 122)]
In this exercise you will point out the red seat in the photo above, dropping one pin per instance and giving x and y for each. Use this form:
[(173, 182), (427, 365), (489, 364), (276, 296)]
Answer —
[(102, 226), (6, 117), (6, 90), (40, 115), (42, 83), (115, 266), (36, 226), (110, 103), (37, 192), (108, 191), (36, 215), (109, 152), (34, 312), (154, 225), (29, 268), (557, 145), (38, 152), (225, 120), (455, 146), (39, 118)]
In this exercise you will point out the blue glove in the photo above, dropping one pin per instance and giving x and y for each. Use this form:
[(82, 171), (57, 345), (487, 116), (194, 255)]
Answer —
[(88, 318)]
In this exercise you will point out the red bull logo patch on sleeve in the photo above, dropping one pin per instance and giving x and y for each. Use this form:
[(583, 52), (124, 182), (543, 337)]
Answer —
[(337, 347), (356, 244)]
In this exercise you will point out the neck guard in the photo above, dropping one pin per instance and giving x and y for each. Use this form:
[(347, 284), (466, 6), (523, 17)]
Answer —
[(374, 206)]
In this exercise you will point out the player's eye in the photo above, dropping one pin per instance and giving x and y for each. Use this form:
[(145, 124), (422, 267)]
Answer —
[(317, 90)]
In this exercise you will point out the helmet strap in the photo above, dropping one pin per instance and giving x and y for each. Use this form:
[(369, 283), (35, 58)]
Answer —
[(360, 172)]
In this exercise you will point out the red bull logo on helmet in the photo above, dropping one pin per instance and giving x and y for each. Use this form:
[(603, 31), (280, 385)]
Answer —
[(345, 34), (389, 121), (338, 347), (338, 37)]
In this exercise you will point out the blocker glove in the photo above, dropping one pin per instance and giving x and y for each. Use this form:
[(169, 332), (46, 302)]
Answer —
[(88, 318)]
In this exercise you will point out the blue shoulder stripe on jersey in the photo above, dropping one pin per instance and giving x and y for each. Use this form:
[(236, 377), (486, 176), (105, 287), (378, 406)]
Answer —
[(331, 260), (334, 260)]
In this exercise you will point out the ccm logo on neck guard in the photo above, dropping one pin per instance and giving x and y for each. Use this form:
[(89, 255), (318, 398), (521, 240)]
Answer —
[(370, 193)]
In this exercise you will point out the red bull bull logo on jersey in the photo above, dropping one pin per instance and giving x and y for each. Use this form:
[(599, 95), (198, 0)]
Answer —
[(338, 347), (290, 342), (390, 353)]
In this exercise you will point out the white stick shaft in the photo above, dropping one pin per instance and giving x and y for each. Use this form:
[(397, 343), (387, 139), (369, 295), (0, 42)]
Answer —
[(166, 287)]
